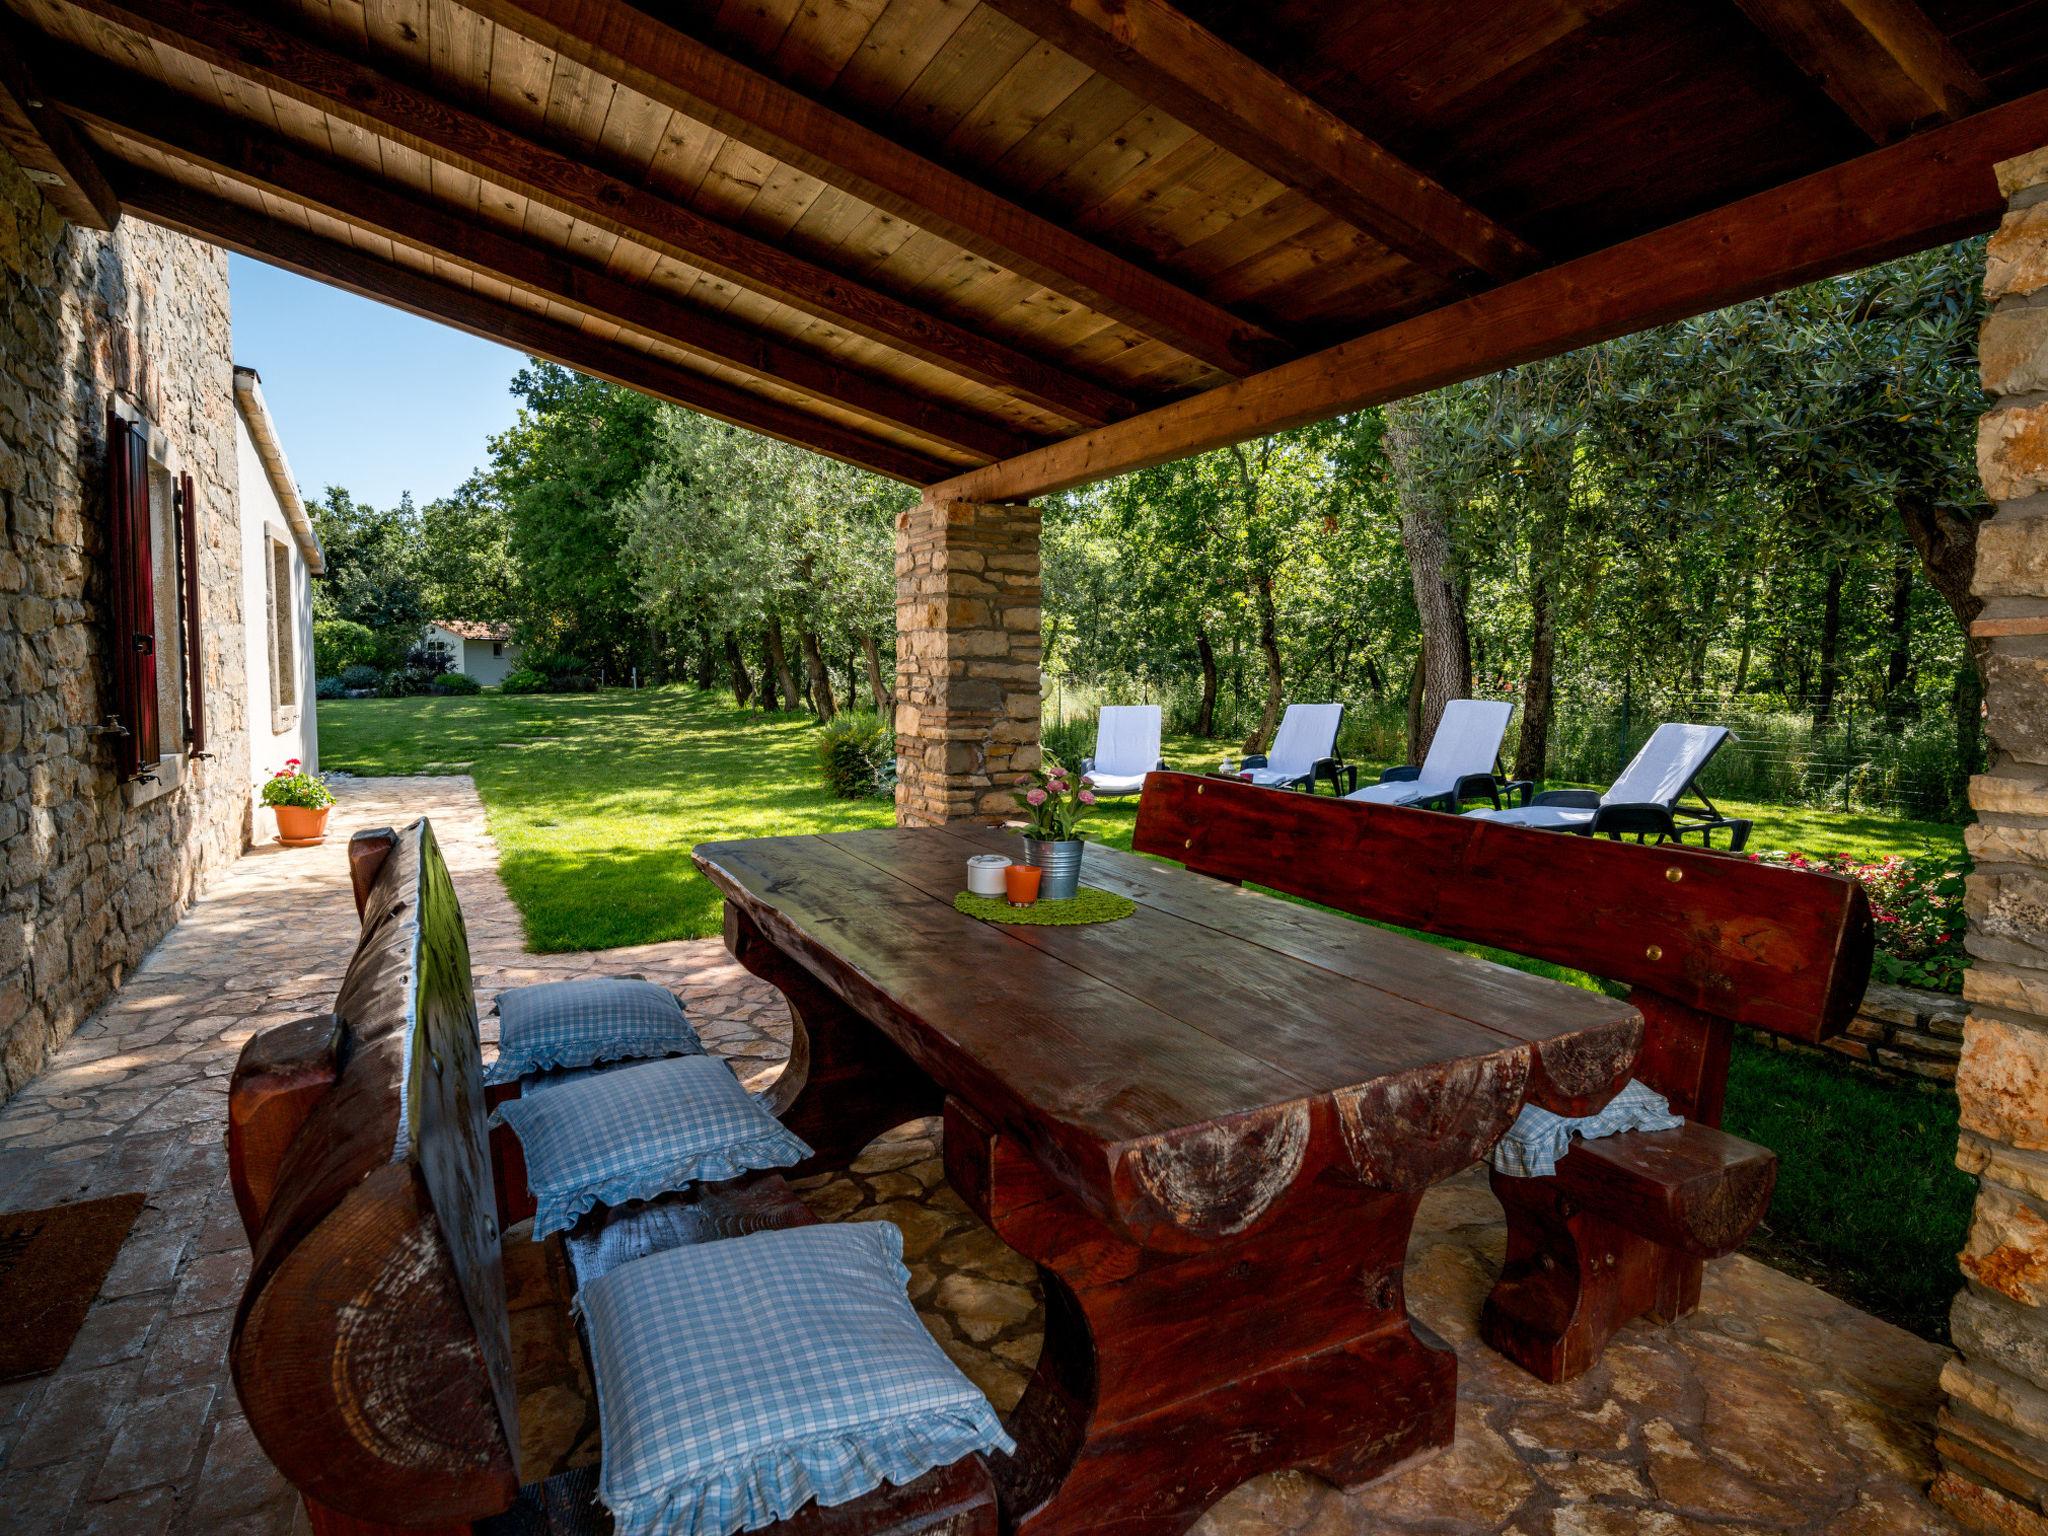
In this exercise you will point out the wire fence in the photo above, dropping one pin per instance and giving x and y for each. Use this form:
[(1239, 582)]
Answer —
[(1859, 760)]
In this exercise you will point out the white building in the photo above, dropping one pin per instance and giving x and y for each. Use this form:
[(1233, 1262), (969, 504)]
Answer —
[(280, 556), (486, 652)]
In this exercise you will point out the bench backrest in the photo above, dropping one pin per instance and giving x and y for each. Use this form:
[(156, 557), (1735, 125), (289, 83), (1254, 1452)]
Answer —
[(1699, 936), (372, 1350)]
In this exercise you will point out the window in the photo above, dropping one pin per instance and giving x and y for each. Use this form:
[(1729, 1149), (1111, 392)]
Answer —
[(284, 634), (497, 647)]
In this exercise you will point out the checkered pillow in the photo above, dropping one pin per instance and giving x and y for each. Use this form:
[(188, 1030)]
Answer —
[(638, 1132), (739, 1380), (574, 1023)]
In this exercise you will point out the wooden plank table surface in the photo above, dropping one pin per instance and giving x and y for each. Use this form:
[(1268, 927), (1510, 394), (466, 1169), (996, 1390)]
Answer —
[(1209, 1124)]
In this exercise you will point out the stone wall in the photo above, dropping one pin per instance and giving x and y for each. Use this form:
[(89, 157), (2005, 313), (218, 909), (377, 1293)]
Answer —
[(1906, 1032), (1993, 1435), (94, 872), (967, 659)]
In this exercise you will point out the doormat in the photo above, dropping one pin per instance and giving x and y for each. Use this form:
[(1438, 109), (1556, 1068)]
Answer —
[(51, 1265)]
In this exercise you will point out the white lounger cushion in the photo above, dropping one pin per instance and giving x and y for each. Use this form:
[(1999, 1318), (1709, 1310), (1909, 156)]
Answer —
[(1307, 735), (1548, 818), (1670, 760), (1467, 741), (1126, 748)]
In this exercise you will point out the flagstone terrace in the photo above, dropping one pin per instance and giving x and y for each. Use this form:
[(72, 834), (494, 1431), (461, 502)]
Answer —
[(1776, 1407)]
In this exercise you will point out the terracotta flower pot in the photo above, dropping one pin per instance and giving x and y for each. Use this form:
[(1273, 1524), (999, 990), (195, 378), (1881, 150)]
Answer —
[(297, 826)]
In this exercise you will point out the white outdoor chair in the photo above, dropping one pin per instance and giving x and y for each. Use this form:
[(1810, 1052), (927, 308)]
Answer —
[(1304, 746), (1126, 749), (1643, 802), (1460, 764)]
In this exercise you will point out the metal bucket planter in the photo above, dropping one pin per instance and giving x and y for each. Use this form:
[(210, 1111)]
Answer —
[(1061, 863)]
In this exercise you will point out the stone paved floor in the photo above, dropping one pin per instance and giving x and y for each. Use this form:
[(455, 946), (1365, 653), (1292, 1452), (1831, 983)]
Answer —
[(1776, 1409)]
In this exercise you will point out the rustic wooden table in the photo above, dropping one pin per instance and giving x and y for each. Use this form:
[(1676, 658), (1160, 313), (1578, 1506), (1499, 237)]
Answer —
[(1209, 1124)]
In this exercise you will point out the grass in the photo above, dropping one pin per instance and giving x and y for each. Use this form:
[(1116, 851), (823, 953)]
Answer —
[(596, 800)]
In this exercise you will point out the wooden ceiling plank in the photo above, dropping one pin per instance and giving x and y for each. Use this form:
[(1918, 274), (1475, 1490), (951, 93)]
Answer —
[(241, 229), (1934, 187), (662, 62), (1163, 56), (142, 113), (1883, 62), (241, 39), (48, 150)]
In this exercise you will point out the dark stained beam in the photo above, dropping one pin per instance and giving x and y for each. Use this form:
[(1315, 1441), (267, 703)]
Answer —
[(1881, 61), (624, 43), (46, 148), (1157, 53), (163, 201), (142, 112), (249, 44), (1938, 186)]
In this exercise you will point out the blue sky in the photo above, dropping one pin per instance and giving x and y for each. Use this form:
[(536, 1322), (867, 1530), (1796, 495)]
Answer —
[(365, 396)]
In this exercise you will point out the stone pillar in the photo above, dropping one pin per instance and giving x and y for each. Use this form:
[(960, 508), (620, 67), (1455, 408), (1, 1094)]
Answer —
[(1993, 1433), (967, 658)]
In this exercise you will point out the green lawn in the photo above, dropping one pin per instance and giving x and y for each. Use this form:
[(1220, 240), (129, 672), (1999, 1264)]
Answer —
[(596, 800)]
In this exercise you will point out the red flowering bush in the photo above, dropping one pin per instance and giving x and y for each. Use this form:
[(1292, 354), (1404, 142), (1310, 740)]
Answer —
[(1918, 910)]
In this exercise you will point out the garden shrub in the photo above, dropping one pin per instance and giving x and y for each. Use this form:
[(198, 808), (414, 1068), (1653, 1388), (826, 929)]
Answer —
[(330, 688), (1917, 908), (856, 755), (550, 672), (430, 658), (1069, 742), (523, 680), (455, 683), (342, 643), (405, 683), (360, 675)]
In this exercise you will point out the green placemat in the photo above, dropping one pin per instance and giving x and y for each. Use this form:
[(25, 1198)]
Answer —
[(1086, 905)]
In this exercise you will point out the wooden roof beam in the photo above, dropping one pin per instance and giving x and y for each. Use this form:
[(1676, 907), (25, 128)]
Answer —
[(1164, 57), (624, 43), (1881, 61), (144, 112), (1934, 187), (176, 206), (49, 152), (247, 42)]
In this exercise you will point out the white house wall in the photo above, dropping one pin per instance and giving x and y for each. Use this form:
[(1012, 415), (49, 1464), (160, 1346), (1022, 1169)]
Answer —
[(263, 520)]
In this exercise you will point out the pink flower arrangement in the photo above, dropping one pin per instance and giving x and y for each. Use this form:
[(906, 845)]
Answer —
[(1917, 909), (1054, 799)]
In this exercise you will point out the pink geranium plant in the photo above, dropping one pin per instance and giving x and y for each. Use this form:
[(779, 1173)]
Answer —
[(1054, 800)]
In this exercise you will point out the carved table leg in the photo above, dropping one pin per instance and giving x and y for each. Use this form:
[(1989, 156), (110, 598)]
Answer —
[(1573, 1276), (1168, 1379), (846, 1082)]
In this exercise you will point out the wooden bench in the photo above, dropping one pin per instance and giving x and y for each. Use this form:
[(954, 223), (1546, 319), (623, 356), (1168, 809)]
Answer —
[(1703, 940), (372, 1351)]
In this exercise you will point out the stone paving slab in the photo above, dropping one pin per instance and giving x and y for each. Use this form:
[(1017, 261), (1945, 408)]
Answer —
[(1776, 1409)]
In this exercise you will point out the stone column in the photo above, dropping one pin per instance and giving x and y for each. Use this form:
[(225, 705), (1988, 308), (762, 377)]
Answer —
[(1993, 1433), (967, 658)]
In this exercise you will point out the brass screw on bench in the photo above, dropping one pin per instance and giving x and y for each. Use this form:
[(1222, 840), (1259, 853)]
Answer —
[(1654, 953)]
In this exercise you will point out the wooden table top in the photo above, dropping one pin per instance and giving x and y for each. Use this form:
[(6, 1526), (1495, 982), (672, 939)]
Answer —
[(1187, 1066)]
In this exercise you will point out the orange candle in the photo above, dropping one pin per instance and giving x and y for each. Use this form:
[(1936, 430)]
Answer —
[(1022, 883)]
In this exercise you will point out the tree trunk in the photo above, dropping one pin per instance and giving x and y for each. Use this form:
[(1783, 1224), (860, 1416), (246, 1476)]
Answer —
[(1373, 678), (707, 667), (873, 653), (1830, 646), (1269, 647), (1748, 610), (1415, 677), (1205, 721), (1945, 539), (1426, 536), (821, 675), (1532, 750), (742, 684), (778, 661), (1899, 665)]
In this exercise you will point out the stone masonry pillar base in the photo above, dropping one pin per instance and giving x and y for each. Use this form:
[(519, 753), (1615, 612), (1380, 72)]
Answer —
[(967, 659)]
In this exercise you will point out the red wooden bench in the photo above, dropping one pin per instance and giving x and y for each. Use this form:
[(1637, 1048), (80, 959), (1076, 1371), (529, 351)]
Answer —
[(1703, 940), (372, 1351)]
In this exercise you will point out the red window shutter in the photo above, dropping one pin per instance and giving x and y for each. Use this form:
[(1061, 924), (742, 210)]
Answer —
[(131, 630), (189, 615)]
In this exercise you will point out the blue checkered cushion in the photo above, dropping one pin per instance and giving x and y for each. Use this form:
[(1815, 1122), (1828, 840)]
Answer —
[(574, 1023), (638, 1132), (739, 1380), (1538, 1138)]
